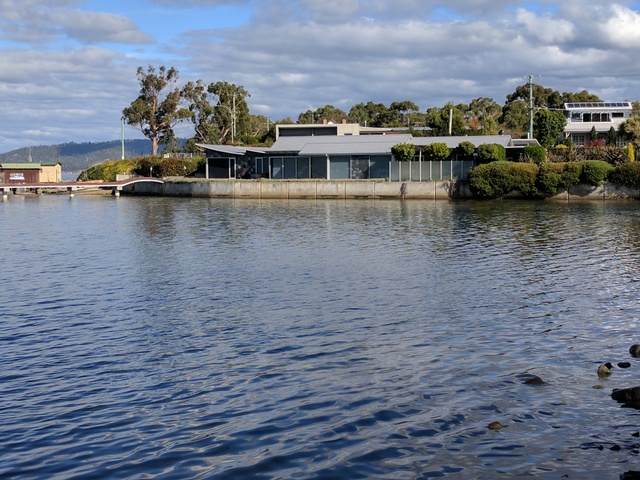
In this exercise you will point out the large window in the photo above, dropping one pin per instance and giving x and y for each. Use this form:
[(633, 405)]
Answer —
[(339, 167), (359, 167)]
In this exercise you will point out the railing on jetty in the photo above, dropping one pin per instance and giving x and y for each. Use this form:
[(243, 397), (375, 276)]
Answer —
[(72, 187)]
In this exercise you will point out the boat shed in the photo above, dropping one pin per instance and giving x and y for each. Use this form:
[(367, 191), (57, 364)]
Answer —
[(30, 172)]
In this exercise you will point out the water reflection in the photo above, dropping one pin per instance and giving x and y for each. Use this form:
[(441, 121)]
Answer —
[(246, 339)]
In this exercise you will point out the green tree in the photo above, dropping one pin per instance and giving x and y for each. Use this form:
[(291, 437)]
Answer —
[(326, 113), (548, 127), (202, 113), (371, 115), (438, 120), (482, 116), (515, 118), (156, 111), (612, 137), (630, 130), (403, 111), (231, 110)]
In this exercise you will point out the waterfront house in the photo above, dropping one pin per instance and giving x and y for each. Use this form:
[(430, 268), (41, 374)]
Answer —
[(582, 117), (341, 151)]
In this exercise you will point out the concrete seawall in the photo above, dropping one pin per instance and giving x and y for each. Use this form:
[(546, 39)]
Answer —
[(349, 189), (303, 189)]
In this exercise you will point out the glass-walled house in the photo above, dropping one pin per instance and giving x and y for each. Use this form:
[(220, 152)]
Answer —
[(339, 157)]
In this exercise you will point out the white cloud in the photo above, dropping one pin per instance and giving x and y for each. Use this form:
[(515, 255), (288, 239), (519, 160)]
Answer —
[(292, 56)]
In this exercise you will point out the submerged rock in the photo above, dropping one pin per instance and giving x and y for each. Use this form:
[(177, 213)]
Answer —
[(634, 350), (494, 426), (627, 396), (534, 380), (624, 364), (604, 371)]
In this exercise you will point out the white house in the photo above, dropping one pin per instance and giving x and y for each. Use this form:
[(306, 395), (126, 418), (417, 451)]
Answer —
[(583, 116)]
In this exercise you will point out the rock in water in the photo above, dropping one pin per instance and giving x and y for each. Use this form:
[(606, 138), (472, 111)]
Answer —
[(494, 426), (604, 371), (634, 350), (534, 380), (624, 364), (628, 396)]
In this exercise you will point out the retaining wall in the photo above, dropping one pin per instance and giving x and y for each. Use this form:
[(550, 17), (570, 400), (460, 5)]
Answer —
[(349, 189)]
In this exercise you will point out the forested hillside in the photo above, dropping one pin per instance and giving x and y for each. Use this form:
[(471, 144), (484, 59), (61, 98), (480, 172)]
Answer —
[(75, 157)]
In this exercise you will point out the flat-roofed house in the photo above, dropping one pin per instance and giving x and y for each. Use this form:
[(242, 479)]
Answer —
[(325, 152), (582, 117)]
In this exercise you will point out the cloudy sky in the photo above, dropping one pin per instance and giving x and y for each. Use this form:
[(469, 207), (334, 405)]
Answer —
[(68, 67)]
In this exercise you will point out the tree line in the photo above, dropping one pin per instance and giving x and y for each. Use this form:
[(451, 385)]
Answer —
[(220, 115)]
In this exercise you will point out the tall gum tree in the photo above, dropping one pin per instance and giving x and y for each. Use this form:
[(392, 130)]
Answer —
[(156, 111)]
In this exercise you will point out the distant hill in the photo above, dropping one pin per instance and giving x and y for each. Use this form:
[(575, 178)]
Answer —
[(75, 157)]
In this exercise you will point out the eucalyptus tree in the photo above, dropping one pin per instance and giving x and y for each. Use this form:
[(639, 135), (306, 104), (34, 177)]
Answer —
[(326, 113), (483, 116), (440, 119), (218, 111), (158, 107), (403, 111)]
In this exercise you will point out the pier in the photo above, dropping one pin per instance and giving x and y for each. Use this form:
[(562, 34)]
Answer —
[(72, 187)]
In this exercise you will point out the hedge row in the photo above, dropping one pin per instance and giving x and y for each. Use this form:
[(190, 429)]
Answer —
[(143, 166), (497, 179)]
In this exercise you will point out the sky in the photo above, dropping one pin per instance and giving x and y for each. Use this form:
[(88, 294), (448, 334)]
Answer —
[(68, 67)]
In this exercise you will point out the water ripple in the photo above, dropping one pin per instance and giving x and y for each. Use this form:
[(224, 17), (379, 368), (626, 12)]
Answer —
[(183, 338)]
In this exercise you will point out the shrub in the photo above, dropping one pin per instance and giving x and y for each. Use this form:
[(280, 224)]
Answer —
[(595, 172), (147, 166), (549, 178), (523, 178), (466, 149), (631, 154), (626, 175), (537, 153), (403, 152), (496, 179), (491, 152), (106, 171), (437, 151), (571, 174)]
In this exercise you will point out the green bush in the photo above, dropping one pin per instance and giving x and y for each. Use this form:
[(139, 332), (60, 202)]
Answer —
[(536, 153), (466, 149), (437, 151), (497, 179), (106, 171), (523, 178), (595, 172), (626, 175), (571, 174), (491, 152), (403, 152), (549, 177)]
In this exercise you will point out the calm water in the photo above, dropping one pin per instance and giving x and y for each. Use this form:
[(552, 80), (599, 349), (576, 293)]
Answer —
[(195, 338)]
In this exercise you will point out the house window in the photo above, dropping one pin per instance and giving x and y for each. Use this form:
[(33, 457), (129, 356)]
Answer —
[(579, 139)]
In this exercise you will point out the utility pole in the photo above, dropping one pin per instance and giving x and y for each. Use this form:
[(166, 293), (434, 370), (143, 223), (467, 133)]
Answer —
[(530, 82)]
